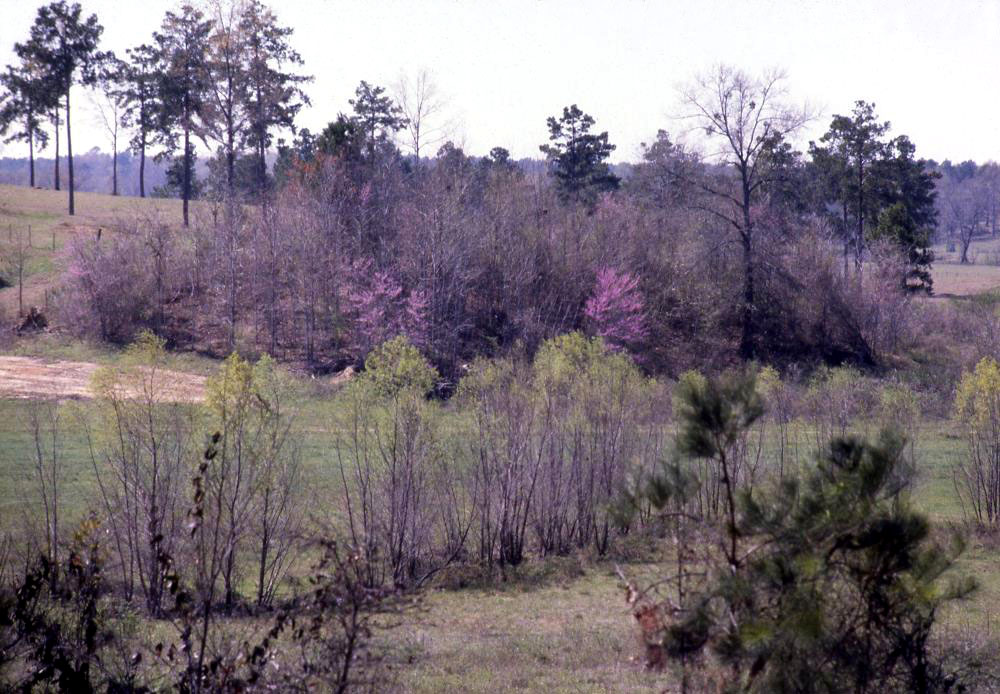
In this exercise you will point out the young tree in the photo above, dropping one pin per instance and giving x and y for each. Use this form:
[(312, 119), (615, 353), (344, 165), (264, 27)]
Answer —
[(182, 43), (254, 482), (274, 93), (748, 116), (616, 309), (140, 89), (110, 104), (977, 411), (45, 422), (65, 45), (827, 583), (140, 449), (578, 158)]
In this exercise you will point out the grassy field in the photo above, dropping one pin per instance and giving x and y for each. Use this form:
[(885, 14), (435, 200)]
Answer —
[(560, 625), (982, 274), (37, 220)]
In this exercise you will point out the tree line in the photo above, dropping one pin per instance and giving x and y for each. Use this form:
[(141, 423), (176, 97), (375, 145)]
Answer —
[(742, 205), (226, 80), (681, 260)]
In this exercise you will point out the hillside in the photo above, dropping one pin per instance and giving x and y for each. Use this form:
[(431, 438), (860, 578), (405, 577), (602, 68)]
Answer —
[(36, 220)]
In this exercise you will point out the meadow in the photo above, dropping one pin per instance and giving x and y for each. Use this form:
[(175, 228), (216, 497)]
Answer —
[(559, 624)]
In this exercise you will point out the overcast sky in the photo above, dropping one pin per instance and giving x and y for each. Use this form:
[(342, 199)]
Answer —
[(930, 66)]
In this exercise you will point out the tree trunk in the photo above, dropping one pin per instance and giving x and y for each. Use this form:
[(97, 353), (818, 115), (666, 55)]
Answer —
[(747, 334), (186, 186), (69, 156), (859, 239), (114, 166), (142, 166), (31, 155), (261, 143), (56, 173), (265, 547)]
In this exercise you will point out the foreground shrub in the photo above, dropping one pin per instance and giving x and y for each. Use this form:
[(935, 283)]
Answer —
[(403, 496), (977, 409), (828, 583)]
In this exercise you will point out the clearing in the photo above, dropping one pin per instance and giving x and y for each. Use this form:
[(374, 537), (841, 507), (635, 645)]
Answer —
[(952, 279), (33, 378)]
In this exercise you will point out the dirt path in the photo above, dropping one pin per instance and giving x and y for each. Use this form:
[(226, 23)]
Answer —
[(31, 378)]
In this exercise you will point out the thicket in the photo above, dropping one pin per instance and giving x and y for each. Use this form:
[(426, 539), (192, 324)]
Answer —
[(471, 259)]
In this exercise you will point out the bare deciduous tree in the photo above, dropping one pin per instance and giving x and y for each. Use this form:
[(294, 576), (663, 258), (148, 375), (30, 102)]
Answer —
[(748, 117), (140, 451), (45, 422), (425, 109)]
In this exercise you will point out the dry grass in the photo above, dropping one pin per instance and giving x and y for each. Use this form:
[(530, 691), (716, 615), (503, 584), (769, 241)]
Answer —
[(964, 280), (572, 635), (33, 378)]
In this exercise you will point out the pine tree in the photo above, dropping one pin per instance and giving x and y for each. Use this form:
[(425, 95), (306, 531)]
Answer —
[(377, 118), (140, 86), (181, 44), (578, 158), (274, 94), (824, 582), (65, 47), (21, 108)]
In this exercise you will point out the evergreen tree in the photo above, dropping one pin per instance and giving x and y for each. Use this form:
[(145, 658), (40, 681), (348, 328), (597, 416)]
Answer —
[(578, 158), (863, 174), (21, 108), (181, 44), (339, 137), (896, 225), (65, 46), (140, 86), (227, 96), (274, 94), (112, 105), (377, 118), (828, 582)]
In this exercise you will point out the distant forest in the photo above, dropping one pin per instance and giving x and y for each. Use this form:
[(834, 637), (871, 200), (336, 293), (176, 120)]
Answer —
[(93, 172)]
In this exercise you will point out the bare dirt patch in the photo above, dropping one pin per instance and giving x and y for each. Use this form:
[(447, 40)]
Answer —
[(35, 379)]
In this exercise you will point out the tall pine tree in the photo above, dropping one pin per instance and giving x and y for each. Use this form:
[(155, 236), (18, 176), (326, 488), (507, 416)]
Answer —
[(65, 46), (182, 42)]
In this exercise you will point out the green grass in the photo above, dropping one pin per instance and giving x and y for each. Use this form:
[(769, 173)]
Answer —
[(18, 476), (570, 635), (559, 625)]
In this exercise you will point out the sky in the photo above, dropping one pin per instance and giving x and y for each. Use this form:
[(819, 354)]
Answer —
[(931, 67)]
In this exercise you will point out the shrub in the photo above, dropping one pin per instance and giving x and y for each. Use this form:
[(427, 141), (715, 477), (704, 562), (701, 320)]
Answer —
[(828, 583), (977, 411)]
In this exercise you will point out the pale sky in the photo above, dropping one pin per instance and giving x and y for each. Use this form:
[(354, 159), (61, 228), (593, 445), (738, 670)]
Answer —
[(930, 66)]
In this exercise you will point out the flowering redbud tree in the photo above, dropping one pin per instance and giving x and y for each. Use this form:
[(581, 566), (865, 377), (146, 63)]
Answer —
[(616, 310)]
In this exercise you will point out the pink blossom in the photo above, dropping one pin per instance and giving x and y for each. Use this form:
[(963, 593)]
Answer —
[(381, 311), (616, 310)]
